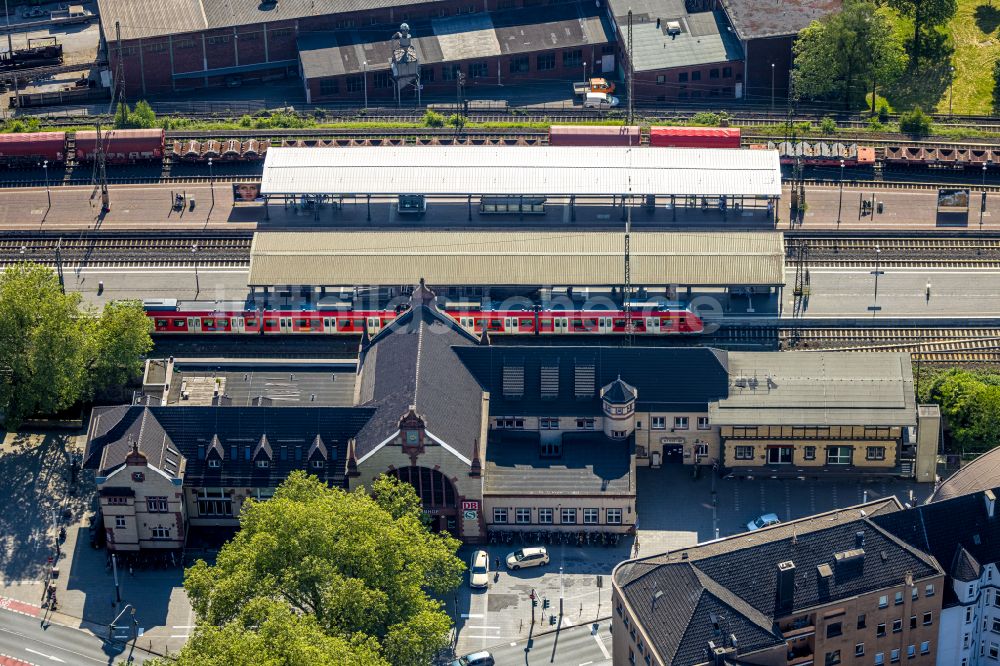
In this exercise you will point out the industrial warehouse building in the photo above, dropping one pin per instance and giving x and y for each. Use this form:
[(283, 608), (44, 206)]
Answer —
[(503, 436), (693, 49)]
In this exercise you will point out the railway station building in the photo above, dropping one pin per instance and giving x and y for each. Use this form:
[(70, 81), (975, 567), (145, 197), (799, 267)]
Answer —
[(503, 437)]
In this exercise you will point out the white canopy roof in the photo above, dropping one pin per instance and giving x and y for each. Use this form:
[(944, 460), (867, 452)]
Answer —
[(521, 170)]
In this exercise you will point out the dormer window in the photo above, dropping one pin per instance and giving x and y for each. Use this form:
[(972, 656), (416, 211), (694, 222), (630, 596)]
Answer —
[(318, 464), (214, 463), (263, 463)]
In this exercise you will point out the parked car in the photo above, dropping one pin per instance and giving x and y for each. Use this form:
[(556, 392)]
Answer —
[(479, 569), (482, 658), (527, 557), (763, 521), (596, 100)]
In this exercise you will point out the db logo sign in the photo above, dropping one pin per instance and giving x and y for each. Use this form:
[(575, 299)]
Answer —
[(470, 505)]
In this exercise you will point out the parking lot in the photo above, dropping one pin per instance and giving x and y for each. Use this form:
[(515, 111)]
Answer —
[(675, 510)]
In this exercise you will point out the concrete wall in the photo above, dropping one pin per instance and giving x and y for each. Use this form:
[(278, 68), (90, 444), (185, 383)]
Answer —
[(649, 442), (928, 438)]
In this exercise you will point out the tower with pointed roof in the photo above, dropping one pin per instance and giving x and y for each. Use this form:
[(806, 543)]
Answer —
[(618, 404)]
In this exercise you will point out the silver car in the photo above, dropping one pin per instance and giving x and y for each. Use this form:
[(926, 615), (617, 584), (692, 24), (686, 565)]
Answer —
[(479, 569)]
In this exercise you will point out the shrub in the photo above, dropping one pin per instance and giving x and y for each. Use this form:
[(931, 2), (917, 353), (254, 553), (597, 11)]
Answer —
[(915, 122), (457, 120), (705, 119), (828, 125), (433, 119)]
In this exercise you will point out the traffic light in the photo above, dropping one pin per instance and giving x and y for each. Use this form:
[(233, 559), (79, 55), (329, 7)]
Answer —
[(545, 603), (534, 603)]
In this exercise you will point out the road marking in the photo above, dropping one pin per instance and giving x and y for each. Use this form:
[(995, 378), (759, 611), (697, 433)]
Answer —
[(182, 626), (62, 649), (481, 626), (478, 636), (600, 644), (586, 663), (8, 660), (471, 615), (179, 636), (15, 606), (47, 656), (513, 644)]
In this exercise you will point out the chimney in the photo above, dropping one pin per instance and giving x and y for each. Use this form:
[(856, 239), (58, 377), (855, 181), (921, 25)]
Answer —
[(859, 539), (786, 587), (991, 502)]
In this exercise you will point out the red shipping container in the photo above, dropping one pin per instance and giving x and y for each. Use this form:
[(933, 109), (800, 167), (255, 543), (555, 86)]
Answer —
[(33, 148), (122, 146), (594, 135), (695, 137)]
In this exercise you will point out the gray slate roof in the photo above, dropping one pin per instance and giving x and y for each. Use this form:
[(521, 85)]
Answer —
[(941, 528), (735, 579), (171, 437), (976, 476), (666, 378), (590, 464), (412, 362)]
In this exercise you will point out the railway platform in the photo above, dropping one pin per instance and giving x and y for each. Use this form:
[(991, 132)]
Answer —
[(149, 207)]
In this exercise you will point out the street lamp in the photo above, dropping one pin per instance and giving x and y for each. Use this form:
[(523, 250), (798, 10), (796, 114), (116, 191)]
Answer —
[(197, 283), (211, 180), (875, 307), (364, 64), (840, 199), (982, 202), (48, 194), (585, 76), (951, 88), (772, 87)]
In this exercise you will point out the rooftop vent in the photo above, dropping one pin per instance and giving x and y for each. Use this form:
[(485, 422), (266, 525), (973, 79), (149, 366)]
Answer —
[(673, 28), (847, 556), (583, 380), (513, 381), (550, 381), (991, 502), (825, 570)]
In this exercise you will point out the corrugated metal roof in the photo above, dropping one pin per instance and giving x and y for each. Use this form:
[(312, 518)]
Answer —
[(521, 170), (818, 388), (703, 40), (515, 258)]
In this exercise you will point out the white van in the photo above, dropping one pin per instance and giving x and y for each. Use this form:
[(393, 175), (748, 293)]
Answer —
[(598, 100)]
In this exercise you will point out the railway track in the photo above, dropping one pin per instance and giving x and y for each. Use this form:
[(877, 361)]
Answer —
[(831, 251), (116, 251), (927, 345)]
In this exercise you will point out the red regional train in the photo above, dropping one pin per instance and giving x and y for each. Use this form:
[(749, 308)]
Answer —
[(170, 316)]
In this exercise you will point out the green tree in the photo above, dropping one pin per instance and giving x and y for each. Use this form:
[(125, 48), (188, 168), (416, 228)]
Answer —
[(926, 15), (970, 404), (119, 340), (42, 345), (142, 116), (268, 633), (361, 565), (840, 56)]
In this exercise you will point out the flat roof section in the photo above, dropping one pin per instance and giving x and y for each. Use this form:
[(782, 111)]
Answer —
[(754, 19), (489, 258), (818, 388), (521, 170)]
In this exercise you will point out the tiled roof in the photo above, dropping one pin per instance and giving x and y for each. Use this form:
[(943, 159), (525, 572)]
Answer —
[(940, 528), (178, 440), (729, 586), (413, 362), (618, 393), (964, 566), (666, 378), (590, 464)]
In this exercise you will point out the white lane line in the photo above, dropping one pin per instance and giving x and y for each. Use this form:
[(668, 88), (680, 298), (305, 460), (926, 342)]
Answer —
[(600, 644), (513, 644), (182, 626), (586, 663), (481, 626), (62, 649), (179, 636), (47, 656), (494, 637), (471, 615)]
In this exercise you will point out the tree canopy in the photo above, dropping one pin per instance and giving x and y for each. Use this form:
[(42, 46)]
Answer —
[(352, 570), (52, 354), (840, 56), (926, 15), (971, 405)]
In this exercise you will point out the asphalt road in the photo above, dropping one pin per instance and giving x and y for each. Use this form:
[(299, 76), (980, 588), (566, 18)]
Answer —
[(24, 637), (584, 645)]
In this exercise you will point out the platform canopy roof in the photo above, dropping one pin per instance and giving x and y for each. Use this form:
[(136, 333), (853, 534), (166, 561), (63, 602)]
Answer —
[(521, 170), (490, 258)]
